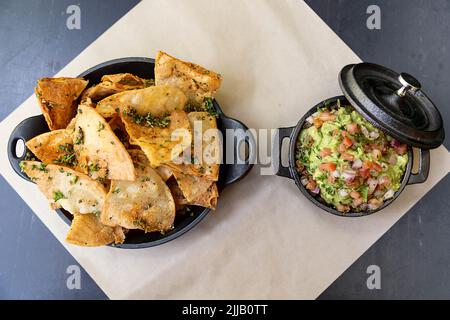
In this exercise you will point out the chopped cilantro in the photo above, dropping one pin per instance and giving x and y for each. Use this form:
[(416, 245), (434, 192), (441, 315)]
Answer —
[(102, 180), (58, 195), (68, 158), (93, 167), (79, 139), (28, 156), (148, 206), (100, 126), (67, 147), (74, 180), (148, 120), (42, 167), (209, 106), (192, 108)]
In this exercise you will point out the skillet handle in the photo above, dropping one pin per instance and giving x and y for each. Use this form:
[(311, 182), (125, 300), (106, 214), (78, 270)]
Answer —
[(424, 168), (279, 169), (237, 168), (27, 129)]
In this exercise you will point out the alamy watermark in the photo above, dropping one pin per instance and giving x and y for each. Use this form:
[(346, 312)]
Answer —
[(229, 146), (374, 280), (74, 19), (74, 279), (374, 19)]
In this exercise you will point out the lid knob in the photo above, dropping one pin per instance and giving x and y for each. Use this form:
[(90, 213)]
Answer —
[(409, 84), (406, 114)]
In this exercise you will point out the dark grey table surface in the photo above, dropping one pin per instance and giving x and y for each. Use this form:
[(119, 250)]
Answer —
[(413, 256)]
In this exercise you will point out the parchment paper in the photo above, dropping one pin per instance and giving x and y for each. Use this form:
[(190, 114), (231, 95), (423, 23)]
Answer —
[(265, 240)]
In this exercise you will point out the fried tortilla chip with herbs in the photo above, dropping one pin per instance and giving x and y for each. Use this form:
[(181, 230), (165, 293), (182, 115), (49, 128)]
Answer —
[(207, 199), (144, 204), (162, 139), (54, 147), (58, 99), (204, 160), (112, 155), (157, 100), (99, 151), (114, 83), (196, 82), (66, 188), (87, 231)]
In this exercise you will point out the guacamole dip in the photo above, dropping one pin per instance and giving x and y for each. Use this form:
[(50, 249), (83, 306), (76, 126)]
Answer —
[(349, 163)]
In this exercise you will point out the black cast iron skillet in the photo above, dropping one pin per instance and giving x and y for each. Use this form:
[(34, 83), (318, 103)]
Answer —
[(290, 171), (143, 67)]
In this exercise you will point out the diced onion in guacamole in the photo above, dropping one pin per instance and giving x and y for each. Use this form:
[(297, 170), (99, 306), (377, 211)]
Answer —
[(349, 163)]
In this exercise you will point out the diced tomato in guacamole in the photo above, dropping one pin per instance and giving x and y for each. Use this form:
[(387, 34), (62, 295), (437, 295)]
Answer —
[(352, 165)]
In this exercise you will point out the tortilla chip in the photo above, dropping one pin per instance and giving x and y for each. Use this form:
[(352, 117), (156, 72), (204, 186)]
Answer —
[(208, 199), (98, 149), (204, 127), (161, 145), (196, 82), (119, 130), (87, 231), (66, 188), (192, 186), (71, 125), (54, 147), (156, 99), (144, 204), (58, 99), (177, 194), (98, 92), (114, 83), (126, 81), (164, 172)]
